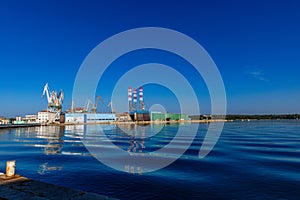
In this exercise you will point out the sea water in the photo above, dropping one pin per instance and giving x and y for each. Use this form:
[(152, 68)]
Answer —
[(251, 160)]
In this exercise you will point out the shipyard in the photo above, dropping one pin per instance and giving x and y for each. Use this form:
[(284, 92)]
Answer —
[(74, 124), (54, 114), (146, 100)]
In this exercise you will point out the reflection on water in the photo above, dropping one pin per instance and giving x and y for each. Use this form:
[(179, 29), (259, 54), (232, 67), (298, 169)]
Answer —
[(55, 140), (133, 170), (108, 141), (48, 138), (129, 147), (257, 159), (52, 140), (46, 168), (134, 139), (136, 135)]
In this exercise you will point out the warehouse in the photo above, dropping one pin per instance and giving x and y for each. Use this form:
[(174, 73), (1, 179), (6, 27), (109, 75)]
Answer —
[(159, 116), (89, 117)]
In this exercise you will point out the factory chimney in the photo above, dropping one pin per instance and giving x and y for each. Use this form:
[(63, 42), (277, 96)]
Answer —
[(134, 100), (141, 100), (130, 99)]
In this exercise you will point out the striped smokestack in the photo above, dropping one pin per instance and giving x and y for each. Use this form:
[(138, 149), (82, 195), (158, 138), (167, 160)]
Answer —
[(134, 96), (129, 94), (141, 93), (130, 99), (134, 106)]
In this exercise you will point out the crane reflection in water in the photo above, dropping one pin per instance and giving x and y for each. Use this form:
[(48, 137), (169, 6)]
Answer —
[(53, 136), (46, 168), (48, 138), (72, 140)]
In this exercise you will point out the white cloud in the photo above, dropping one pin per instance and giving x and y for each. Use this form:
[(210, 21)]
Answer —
[(259, 75)]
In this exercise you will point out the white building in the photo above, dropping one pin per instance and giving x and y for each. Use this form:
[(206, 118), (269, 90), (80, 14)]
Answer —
[(3, 120), (100, 117), (74, 118), (19, 120), (46, 117), (31, 119)]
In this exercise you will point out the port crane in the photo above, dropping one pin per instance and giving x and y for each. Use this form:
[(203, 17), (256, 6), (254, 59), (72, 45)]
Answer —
[(72, 106), (111, 107), (94, 107), (87, 105), (54, 100)]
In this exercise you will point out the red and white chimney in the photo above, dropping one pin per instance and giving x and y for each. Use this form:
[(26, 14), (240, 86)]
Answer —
[(129, 94), (141, 94), (134, 96)]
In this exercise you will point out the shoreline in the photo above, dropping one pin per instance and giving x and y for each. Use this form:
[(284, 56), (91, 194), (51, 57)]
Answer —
[(3, 126), (8, 126), (148, 122)]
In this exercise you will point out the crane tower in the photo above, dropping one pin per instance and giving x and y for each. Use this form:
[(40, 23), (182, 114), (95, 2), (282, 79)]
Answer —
[(54, 100)]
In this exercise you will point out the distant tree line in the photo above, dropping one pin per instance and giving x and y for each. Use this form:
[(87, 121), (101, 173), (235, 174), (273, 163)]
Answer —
[(243, 117)]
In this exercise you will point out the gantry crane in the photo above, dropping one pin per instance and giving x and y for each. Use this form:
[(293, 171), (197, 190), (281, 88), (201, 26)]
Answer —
[(111, 107), (54, 100), (94, 107), (87, 105)]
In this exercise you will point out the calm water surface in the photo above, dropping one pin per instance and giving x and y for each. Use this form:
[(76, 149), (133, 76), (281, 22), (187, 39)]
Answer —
[(252, 160)]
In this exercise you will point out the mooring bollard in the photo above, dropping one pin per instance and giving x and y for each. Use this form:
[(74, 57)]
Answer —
[(10, 168)]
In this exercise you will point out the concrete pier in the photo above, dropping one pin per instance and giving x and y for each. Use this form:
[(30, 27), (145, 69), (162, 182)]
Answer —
[(18, 187), (3, 126)]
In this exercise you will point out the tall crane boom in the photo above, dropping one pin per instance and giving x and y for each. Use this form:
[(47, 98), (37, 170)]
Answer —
[(94, 107), (87, 106), (111, 107), (61, 96), (46, 91), (54, 100)]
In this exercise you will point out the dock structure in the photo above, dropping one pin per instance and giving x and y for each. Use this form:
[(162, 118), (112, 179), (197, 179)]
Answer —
[(5, 126), (19, 187)]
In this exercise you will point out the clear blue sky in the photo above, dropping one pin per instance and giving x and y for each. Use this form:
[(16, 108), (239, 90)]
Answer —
[(255, 45)]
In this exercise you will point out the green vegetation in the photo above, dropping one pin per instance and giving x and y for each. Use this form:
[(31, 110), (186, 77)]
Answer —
[(284, 116), (243, 117)]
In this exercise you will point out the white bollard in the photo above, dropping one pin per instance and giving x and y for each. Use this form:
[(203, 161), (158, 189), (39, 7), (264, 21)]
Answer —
[(10, 168)]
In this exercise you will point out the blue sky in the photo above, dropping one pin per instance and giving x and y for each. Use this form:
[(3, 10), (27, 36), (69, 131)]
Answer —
[(255, 45)]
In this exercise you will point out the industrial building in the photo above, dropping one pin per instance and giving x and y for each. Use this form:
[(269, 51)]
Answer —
[(46, 117), (19, 120), (4, 120), (138, 112), (136, 108), (31, 119), (89, 117), (73, 115), (159, 116)]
